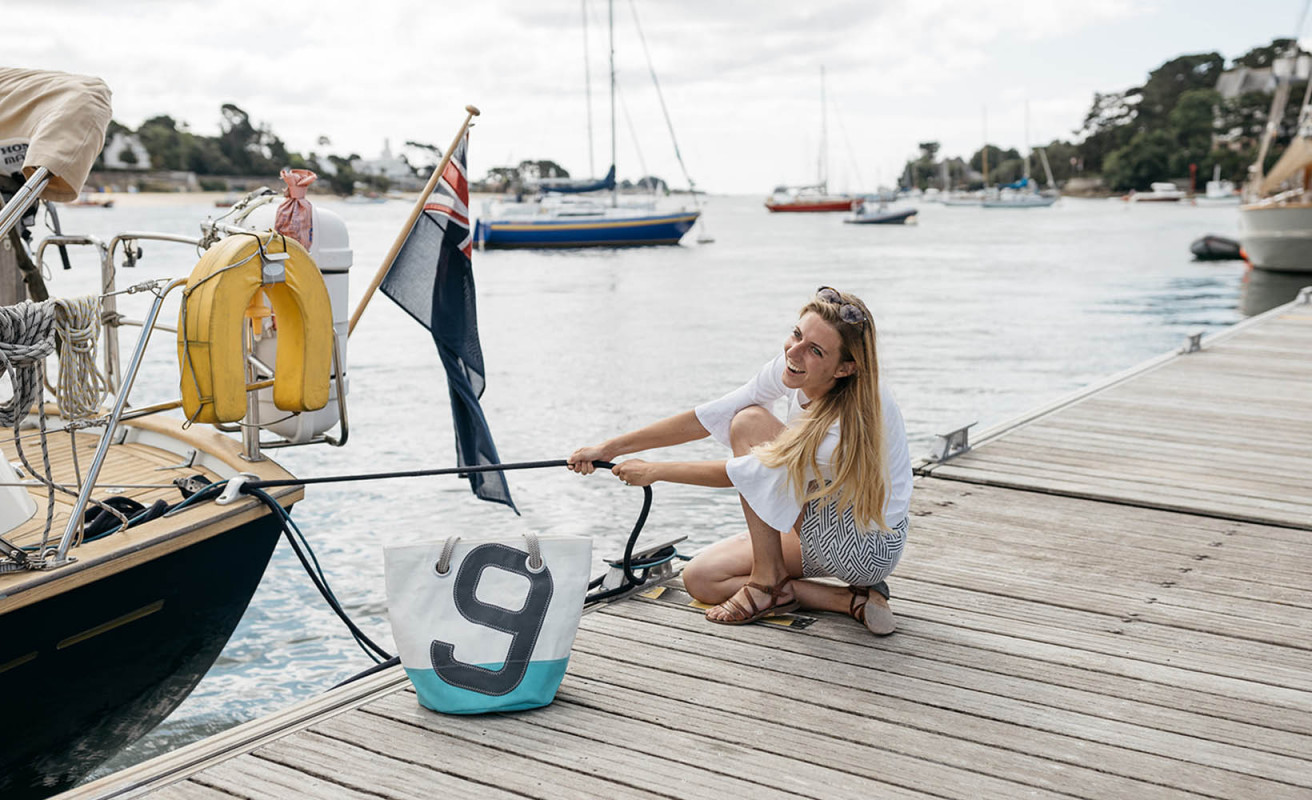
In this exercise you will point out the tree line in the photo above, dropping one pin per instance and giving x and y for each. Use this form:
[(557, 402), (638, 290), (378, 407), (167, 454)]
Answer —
[(1152, 132), (246, 149)]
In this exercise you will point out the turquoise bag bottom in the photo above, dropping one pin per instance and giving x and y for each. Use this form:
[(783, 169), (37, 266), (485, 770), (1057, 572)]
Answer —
[(537, 689)]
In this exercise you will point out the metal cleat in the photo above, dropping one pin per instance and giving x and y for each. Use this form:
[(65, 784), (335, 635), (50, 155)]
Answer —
[(951, 444), (1193, 343)]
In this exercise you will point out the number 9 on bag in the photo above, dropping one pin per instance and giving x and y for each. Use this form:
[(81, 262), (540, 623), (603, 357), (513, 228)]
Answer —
[(487, 627)]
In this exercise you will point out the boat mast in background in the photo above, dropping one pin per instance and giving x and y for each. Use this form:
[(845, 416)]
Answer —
[(823, 165), (614, 189), (587, 83)]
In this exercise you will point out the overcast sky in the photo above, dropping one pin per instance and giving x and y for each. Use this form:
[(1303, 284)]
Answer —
[(741, 78)]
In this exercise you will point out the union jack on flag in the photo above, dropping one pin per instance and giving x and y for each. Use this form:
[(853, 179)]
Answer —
[(450, 198), (432, 278)]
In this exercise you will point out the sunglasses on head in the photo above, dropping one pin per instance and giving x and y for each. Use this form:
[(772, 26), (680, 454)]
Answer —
[(847, 312)]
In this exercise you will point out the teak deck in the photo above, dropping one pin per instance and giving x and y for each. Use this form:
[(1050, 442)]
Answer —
[(1105, 600)]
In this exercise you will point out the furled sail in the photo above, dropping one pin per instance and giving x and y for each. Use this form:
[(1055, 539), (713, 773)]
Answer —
[(571, 186), (1296, 158)]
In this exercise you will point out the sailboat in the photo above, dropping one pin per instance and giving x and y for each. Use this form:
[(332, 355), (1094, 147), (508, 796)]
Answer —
[(816, 197), (566, 215), (1023, 193), (110, 624), (1275, 221)]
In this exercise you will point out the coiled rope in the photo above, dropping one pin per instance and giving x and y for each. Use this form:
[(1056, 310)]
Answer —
[(26, 338), (28, 332), (82, 388)]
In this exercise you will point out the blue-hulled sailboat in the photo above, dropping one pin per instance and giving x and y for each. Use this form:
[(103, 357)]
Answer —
[(569, 213)]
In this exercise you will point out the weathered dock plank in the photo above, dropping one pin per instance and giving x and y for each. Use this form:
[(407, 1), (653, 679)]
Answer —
[(1221, 431), (1104, 600)]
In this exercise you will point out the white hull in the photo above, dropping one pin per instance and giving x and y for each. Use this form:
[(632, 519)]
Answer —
[(1277, 237)]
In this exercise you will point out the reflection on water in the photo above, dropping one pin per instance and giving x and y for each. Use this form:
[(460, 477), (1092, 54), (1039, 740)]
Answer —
[(982, 315), (1263, 289)]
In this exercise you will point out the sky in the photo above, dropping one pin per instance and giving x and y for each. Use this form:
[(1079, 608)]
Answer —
[(741, 78)]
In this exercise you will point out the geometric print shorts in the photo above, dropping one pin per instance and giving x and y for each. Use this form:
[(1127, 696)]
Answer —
[(833, 546)]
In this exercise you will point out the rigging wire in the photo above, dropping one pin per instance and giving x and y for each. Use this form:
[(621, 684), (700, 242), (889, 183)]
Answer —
[(692, 187)]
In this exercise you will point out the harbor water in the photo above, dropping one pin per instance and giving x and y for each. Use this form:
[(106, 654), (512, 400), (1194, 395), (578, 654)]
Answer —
[(982, 314)]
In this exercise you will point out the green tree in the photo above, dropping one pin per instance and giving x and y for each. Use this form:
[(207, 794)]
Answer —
[(1145, 159)]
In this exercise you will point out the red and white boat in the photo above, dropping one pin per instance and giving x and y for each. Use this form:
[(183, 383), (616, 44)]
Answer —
[(812, 199)]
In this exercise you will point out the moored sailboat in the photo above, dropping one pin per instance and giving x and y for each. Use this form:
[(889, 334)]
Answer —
[(564, 216), (121, 578), (816, 197), (1275, 219)]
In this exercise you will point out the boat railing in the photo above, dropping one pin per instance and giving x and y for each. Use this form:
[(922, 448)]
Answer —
[(120, 381)]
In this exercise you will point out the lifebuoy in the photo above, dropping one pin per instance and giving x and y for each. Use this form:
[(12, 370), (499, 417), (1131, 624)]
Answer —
[(223, 284)]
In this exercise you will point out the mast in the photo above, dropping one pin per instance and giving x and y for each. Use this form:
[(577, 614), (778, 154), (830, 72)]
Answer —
[(1029, 151), (985, 151), (614, 191), (587, 82), (824, 137)]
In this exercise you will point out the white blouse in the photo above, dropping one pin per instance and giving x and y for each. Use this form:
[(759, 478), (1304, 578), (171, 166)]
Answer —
[(767, 489)]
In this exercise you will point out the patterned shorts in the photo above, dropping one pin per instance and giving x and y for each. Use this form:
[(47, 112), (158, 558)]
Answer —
[(834, 547)]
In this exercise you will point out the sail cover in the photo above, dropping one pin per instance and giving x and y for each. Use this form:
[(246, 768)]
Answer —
[(570, 186), (1297, 156), (54, 120)]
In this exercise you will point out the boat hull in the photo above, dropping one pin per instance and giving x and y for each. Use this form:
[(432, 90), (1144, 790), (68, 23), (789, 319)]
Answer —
[(655, 229), (1039, 202), (1277, 237), (882, 218), (117, 654), (815, 206)]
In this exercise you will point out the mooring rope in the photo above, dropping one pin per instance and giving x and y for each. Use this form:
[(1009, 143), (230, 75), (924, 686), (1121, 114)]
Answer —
[(627, 565)]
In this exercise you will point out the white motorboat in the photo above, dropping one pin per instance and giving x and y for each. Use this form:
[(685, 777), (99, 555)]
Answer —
[(1159, 192)]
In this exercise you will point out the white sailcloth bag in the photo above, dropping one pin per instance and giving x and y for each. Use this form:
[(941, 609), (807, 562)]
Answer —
[(487, 625)]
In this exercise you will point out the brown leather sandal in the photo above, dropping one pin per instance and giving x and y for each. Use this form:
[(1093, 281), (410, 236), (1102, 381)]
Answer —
[(880, 621), (741, 615)]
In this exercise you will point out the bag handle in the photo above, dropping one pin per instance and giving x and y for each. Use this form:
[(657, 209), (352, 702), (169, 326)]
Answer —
[(443, 566)]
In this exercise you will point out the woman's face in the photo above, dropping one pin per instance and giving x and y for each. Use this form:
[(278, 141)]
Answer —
[(814, 353)]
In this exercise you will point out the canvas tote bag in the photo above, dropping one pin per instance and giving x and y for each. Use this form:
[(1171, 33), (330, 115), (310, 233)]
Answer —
[(487, 625)]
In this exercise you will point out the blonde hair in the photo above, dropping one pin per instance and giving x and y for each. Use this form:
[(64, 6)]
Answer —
[(860, 479)]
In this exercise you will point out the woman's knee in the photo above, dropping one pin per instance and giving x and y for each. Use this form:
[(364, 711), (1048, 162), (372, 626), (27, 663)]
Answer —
[(752, 426)]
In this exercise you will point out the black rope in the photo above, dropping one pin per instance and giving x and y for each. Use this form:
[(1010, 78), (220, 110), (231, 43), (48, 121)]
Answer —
[(281, 514), (418, 473), (372, 649)]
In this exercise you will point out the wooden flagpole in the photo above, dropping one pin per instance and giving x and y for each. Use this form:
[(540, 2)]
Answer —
[(410, 223)]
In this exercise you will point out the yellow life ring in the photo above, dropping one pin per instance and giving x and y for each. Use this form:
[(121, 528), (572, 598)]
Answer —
[(223, 284)]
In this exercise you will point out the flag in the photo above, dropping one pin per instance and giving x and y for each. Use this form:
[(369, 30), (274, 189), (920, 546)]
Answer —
[(432, 278)]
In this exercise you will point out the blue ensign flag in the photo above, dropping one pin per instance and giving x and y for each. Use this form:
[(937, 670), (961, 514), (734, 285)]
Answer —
[(432, 278)]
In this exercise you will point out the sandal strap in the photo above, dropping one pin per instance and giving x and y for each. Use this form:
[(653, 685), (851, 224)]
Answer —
[(860, 597), (737, 610), (741, 612)]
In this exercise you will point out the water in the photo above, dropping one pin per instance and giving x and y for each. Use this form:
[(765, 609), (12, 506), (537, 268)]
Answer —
[(982, 315)]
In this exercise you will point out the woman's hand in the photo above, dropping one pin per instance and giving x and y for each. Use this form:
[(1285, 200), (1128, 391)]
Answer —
[(580, 460), (636, 472)]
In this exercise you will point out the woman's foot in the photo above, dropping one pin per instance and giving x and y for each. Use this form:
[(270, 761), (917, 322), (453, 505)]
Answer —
[(870, 608), (755, 601)]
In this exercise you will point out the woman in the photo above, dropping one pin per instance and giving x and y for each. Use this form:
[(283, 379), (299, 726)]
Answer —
[(825, 494)]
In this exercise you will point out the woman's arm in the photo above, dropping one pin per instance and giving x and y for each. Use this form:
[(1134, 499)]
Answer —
[(673, 430), (637, 472)]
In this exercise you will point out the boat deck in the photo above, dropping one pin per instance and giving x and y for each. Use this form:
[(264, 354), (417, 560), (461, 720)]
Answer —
[(141, 468), (1106, 599)]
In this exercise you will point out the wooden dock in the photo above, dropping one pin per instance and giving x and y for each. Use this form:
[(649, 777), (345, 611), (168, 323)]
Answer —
[(1107, 599)]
